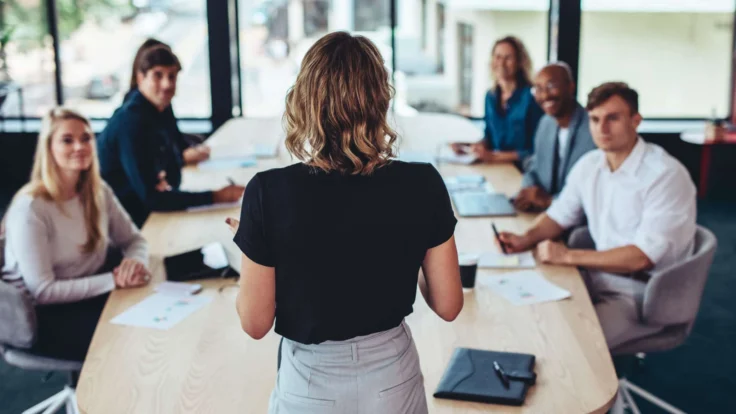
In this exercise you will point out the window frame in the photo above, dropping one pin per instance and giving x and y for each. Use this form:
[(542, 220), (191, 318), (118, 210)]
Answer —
[(563, 43)]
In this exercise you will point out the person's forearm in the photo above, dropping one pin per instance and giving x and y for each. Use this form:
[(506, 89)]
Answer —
[(424, 289), (543, 228), (72, 290), (627, 259), (505, 156), (179, 200)]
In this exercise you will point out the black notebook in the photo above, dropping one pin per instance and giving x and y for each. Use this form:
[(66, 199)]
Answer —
[(208, 262), (482, 204), (470, 377)]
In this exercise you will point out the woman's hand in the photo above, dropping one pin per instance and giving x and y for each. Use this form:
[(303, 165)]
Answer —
[(131, 273), (233, 224), (196, 154)]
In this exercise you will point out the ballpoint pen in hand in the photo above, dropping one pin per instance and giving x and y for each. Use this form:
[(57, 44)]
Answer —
[(498, 238)]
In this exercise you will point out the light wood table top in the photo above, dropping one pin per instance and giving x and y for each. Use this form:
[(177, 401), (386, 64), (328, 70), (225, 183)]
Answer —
[(207, 364)]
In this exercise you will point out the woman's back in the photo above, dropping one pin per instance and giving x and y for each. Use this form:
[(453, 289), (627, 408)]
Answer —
[(346, 248)]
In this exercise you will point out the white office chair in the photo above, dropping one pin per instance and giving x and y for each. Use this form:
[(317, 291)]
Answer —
[(17, 334)]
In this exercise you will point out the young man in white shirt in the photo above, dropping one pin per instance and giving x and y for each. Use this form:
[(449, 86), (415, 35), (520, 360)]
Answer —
[(640, 206)]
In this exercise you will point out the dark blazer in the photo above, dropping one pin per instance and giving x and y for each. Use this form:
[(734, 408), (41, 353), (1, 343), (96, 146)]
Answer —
[(137, 144), (540, 171)]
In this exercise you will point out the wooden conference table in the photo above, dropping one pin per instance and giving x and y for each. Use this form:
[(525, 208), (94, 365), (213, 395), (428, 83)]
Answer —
[(207, 364)]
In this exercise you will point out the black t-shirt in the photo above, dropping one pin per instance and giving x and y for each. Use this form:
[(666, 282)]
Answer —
[(347, 249)]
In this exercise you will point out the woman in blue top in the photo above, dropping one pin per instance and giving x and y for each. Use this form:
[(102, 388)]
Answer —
[(511, 112)]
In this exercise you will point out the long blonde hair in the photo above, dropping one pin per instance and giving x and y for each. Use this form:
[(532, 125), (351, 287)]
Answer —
[(45, 176), (336, 112)]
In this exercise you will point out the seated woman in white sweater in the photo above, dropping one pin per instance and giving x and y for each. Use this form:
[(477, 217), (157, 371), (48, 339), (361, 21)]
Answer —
[(59, 228)]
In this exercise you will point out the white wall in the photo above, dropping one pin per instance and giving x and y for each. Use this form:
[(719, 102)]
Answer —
[(678, 62), (488, 26)]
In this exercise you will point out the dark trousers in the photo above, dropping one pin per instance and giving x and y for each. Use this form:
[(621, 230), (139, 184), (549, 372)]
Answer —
[(64, 331)]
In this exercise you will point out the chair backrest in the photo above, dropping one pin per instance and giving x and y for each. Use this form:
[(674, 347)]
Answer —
[(17, 315), (673, 295)]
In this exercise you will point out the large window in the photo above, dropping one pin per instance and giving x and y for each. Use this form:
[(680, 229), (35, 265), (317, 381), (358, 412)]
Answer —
[(676, 54), (439, 69), (99, 39), (275, 35), (26, 60)]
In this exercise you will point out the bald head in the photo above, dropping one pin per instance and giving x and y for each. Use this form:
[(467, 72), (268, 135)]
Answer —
[(554, 90)]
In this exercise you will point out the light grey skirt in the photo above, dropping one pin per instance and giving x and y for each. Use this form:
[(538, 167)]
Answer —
[(376, 373)]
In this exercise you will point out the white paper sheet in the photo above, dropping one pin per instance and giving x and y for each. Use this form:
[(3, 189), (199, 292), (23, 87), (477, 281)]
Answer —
[(227, 163), (216, 206), (524, 288), (494, 260), (161, 311), (463, 159)]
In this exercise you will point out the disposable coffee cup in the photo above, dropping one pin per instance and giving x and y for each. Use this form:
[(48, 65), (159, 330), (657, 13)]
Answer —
[(468, 268)]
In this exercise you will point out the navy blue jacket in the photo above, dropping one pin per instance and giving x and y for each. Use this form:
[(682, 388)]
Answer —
[(137, 144)]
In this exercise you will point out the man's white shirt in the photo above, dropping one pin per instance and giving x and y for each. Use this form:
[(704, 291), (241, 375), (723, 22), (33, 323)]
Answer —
[(648, 202)]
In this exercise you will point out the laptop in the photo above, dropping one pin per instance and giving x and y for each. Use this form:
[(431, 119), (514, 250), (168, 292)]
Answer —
[(482, 204)]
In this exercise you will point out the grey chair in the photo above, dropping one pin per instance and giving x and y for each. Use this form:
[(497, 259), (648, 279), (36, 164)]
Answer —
[(17, 335), (671, 299)]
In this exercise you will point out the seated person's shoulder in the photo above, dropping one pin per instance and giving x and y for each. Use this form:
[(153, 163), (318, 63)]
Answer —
[(588, 161), (26, 205), (665, 168)]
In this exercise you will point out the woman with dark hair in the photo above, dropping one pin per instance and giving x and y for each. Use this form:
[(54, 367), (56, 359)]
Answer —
[(512, 114), (190, 145), (139, 157), (332, 245)]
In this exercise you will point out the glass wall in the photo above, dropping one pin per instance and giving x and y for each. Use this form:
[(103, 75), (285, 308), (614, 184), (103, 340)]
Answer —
[(99, 39), (443, 48), (677, 55), (26, 60), (275, 35)]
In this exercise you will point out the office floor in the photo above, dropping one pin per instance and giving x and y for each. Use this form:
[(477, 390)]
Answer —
[(697, 377)]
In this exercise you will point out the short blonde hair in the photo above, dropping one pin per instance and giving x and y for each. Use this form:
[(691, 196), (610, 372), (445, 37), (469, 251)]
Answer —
[(45, 181), (336, 112)]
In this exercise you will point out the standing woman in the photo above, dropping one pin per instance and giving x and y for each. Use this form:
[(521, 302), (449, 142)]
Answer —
[(332, 246), (191, 147), (511, 114), (59, 228)]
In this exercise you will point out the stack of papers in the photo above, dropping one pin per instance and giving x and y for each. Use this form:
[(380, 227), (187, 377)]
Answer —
[(161, 311), (507, 261), (524, 288), (469, 182), (461, 159)]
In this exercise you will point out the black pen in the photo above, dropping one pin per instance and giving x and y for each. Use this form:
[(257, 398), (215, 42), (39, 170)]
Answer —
[(230, 180), (498, 238), (501, 374)]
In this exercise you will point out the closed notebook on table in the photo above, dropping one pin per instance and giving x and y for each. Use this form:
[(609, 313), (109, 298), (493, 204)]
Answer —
[(470, 377)]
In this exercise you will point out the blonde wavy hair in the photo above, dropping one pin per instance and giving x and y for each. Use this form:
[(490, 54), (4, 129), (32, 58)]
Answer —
[(524, 62), (336, 112), (46, 182)]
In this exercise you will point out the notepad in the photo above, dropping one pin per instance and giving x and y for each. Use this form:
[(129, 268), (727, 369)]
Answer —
[(524, 288), (494, 260)]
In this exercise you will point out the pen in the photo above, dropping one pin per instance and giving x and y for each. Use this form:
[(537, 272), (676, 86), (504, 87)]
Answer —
[(230, 180), (501, 374), (495, 232)]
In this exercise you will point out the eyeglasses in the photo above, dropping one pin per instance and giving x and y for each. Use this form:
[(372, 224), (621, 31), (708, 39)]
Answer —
[(549, 87)]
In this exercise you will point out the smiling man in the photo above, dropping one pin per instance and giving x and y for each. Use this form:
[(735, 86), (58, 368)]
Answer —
[(562, 137), (640, 206)]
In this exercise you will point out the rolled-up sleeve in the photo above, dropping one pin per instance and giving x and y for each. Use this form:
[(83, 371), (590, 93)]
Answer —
[(668, 219)]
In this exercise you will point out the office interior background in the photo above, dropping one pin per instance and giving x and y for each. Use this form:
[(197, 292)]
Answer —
[(239, 58)]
